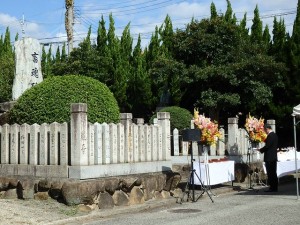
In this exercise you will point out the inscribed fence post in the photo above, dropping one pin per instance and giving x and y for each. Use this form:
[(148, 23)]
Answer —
[(272, 123), (233, 132), (79, 131), (33, 154), (221, 143), (5, 144), (164, 122), (176, 142), (24, 131), (126, 120), (14, 143)]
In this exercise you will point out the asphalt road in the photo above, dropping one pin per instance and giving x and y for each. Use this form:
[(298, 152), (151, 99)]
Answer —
[(239, 206)]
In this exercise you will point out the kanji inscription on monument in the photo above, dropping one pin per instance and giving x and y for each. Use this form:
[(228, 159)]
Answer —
[(28, 70)]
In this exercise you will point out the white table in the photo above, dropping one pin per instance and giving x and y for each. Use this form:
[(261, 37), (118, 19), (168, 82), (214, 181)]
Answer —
[(285, 167), (219, 172)]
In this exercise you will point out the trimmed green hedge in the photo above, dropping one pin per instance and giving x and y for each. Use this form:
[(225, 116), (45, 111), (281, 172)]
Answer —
[(180, 118), (50, 101)]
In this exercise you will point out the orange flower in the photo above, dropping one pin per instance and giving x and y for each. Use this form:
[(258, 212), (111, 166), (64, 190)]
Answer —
[(255, 129), (209, 130)]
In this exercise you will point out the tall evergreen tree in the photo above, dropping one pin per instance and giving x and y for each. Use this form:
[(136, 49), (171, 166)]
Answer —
[(266, 38), (166, 36), (6, 67), (278, 48), (57, 55), (44, 61), (293, 60), (153, 50), (139, 85), (123, 69), (64, 53), (256, 28), (228, 14), (244, 31), (213, 11), (101, 38)]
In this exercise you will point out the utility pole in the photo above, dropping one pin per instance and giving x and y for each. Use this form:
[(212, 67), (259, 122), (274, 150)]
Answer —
[(22, 22), (69, 21)]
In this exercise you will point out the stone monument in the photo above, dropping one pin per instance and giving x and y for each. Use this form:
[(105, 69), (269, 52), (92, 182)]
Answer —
[(28, 70)]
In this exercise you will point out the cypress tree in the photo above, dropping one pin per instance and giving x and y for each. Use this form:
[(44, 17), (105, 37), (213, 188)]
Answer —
[(64, 53), (57, 55), (228, 13), (101, 38), (243, 28), (153, 48), (266, 38), (279, 40), (256, 28), (167, 36), (213, 11), (44, 61), (139, 84)]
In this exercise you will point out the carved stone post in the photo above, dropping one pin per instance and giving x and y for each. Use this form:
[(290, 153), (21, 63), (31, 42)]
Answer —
[(79, 131)]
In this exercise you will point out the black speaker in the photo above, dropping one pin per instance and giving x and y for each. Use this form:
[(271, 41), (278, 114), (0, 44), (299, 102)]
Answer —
[(191, 135)]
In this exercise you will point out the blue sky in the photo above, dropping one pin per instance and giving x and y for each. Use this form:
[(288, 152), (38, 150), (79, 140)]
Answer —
[(45, 20)]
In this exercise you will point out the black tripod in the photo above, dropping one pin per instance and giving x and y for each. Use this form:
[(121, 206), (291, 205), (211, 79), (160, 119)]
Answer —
[(190, 185), (249, 160)]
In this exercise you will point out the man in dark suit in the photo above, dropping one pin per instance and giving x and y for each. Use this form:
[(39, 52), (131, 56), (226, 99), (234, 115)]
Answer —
[(270, 158)]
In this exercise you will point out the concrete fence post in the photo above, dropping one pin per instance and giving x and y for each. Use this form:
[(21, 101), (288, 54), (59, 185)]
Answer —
[(79, 132), (272, 123), (126, 120), (164, 121), (233, 134)]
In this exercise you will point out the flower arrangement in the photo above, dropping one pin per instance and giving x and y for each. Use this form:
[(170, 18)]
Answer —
[(209, 129), (255, 129)]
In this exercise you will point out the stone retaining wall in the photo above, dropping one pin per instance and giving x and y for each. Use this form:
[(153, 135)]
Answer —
[(104, 192)]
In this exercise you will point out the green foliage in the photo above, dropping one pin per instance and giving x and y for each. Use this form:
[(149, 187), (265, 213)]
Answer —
[(50, 101), (180, 118), (256, 28), (6, 67), (6, 78)]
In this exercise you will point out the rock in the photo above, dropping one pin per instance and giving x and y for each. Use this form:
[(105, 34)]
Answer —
[(75, 193), (41, 195), (105, 201), (136, 196), (111, 185), (178, 194), (10, 194), (44, 185), (149, 183), (84, 208), (165, 194), (126, 184), (55, 189), (120, 198), (241, 172), (4, 183), (161, 182), (25, 189), (13, 182), (172, 182), (158, 195)]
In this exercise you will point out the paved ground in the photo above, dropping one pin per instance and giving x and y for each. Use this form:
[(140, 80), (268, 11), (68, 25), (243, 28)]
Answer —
[(225, 196)]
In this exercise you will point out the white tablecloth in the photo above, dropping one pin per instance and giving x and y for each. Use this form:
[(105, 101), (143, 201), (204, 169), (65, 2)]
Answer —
[(285, 167), (219, 172)]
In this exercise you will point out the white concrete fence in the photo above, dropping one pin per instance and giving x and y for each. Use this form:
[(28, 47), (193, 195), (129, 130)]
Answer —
[(84, 150)]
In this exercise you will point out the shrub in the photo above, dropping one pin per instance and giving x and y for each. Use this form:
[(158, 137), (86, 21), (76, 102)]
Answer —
[(180, 118), (50, 101)]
